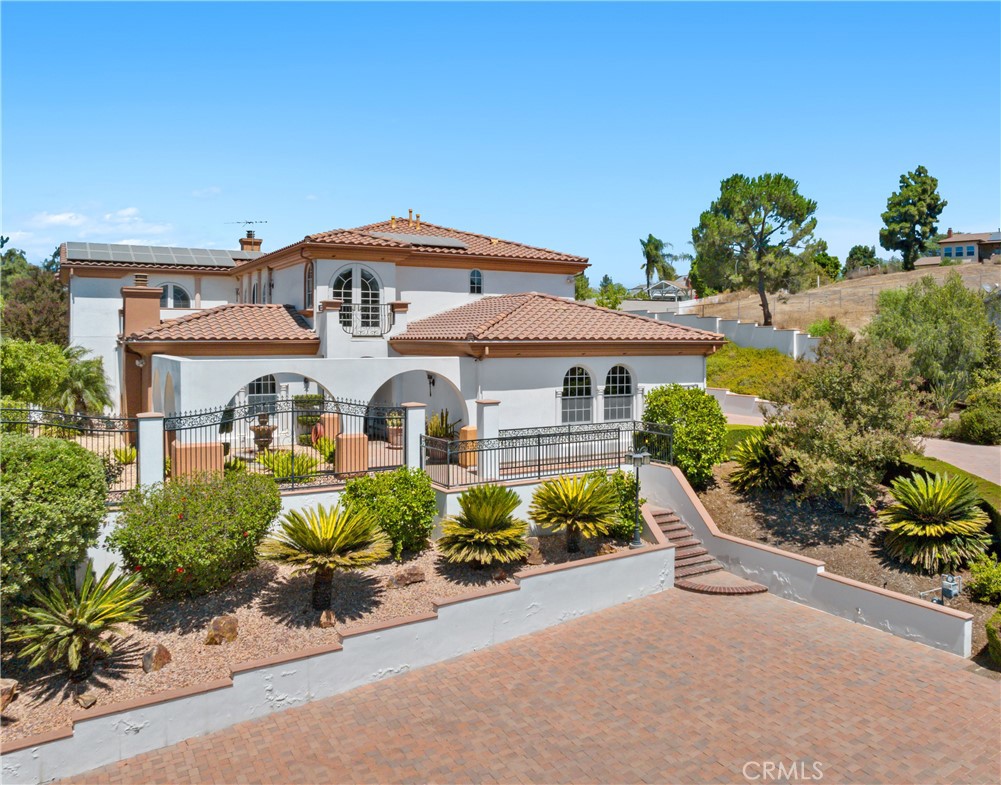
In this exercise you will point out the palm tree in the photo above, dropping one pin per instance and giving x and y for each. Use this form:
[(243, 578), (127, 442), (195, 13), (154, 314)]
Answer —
[(322, 541), (657, 262), (582, 506), (486, 530), (85, 387)]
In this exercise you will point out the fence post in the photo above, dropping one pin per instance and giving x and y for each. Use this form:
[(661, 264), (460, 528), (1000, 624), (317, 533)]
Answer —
[(414, 423), (488, 427), (149, 443)]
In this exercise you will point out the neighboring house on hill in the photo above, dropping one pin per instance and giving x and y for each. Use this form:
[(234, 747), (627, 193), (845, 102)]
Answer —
[(978, 247), (386, 313), (673, 291)]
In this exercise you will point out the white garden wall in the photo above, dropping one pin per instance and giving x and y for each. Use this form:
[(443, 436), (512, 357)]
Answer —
[(805, 580), (541, 598), (793, 343)]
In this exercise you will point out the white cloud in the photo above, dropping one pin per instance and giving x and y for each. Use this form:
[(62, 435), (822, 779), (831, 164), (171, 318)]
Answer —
[(19, 236), (126, 215), (204, 193), (59, 219)]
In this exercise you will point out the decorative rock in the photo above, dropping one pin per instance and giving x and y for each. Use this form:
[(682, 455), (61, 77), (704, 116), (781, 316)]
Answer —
[(327, 619), (606, 548), (221, 629), (500, 574), (86, 699), (156, 658), (405, 577), (9, 688), (535, 555)]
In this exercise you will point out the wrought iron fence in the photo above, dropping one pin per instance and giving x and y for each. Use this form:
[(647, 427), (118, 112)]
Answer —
[(530, 453), (113, 439), (306, 440)]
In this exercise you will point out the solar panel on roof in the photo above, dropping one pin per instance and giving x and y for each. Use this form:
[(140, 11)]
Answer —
[(428, 240), (146, 254)]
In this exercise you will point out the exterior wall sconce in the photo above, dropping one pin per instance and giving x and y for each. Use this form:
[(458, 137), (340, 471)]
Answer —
[(430, 383)]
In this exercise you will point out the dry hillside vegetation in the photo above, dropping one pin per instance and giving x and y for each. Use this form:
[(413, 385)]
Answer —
[(851, 302)]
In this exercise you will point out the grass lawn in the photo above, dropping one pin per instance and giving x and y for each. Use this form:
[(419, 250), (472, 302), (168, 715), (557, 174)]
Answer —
[(747, 371), (735, 434)]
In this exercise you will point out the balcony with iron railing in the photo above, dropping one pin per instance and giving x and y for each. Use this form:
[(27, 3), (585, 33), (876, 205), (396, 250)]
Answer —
[(367, 319)]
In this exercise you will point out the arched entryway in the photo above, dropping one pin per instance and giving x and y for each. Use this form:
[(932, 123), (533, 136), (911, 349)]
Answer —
[(427, 387)]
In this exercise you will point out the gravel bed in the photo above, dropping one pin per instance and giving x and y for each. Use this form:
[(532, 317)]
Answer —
[(849, 544), (275, 617)]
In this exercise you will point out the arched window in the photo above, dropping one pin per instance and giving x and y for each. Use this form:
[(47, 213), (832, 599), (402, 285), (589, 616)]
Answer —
[(253, 294), (619, 394), (360, 295), (576, 398), (369, 299), (308, 287), (174, 296), (343, 289), (475, 282), (262, 394)]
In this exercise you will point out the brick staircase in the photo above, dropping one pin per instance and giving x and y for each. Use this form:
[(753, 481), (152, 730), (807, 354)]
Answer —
[(695, 569)]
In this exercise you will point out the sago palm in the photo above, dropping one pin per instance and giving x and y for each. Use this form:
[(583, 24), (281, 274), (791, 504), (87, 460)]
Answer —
[(935, 523), (322, 541), (66, 623), (486, 530), (759, 465), (582, 506)]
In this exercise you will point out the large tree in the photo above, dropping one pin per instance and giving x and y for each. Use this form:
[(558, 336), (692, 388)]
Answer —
[(656, 262), (860, 256), (36, 308), (749, 236), (13, 265), (911, 214)]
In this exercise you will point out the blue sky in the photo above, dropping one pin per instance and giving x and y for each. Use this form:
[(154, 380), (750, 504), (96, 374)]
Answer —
[(576, 127)]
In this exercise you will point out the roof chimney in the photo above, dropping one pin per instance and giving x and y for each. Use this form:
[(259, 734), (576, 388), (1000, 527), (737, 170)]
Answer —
[(418, 222), (250, 243), (392, 221), (949, 233), (410, 218), (140, 306)]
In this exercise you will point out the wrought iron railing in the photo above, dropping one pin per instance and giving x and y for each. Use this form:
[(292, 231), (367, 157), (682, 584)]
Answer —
[(367, 319), (115, 440)]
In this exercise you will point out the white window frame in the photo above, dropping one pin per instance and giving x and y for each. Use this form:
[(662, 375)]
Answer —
[(475, 282), (618, 394), (577, 396), (169, 294)]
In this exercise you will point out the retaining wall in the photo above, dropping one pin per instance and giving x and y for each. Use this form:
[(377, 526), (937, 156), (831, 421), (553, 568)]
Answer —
[(805, 580), (793, 343), (541, 598)]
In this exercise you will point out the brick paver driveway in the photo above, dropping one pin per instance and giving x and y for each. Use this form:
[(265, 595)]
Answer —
[(675, 688)]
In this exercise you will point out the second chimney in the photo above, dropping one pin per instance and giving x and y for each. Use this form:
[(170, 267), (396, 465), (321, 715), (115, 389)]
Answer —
[(250, 243), (949, 233)]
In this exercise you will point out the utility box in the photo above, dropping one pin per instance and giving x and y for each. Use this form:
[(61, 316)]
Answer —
[(951, 586)]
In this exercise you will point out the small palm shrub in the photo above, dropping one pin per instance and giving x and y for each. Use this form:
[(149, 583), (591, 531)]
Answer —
[(993, 629), (581, 506), (624, 485), (286, 465), (64, 623), (935, 522), (125, 455), (322, 541), (327, 448), (759, 465), (191, 535), (404, 503), (486, 530), (985, 580)]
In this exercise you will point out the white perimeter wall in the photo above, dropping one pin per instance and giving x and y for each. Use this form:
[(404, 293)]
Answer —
[(793, 343)]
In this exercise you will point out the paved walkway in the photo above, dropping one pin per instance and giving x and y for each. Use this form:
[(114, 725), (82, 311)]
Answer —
[(674, 688)]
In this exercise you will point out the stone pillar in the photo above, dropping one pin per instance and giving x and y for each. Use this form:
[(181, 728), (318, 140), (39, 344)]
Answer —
[(414, 422), (488, 427), (149, 458)]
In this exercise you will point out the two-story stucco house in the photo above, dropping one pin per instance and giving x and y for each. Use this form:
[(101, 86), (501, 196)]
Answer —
[(391, 312)]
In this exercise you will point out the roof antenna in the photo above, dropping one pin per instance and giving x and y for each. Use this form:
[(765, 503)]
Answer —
[(250, 232)]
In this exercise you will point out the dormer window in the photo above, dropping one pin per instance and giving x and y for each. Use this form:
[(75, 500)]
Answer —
[(475, 282), (308, 286), (174, 296)]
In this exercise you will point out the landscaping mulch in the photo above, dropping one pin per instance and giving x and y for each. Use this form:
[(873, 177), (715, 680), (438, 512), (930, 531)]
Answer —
[(850, 545), (275, 617)]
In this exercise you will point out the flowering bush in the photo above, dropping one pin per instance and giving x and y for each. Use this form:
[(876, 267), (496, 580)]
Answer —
[(191, 535)]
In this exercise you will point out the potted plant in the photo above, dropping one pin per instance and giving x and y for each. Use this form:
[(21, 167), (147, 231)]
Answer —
[(439, 427), (394, 430)]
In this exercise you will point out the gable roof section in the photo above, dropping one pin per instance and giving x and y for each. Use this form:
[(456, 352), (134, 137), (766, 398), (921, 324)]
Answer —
[(231, 323), (152, 256), (542, 319), (977, 237)]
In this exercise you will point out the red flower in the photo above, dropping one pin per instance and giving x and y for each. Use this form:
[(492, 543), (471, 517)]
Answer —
[(180, 516), (180, 569), (137, 568), (246, 534)]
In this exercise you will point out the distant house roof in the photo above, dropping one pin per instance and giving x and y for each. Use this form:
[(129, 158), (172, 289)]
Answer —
[(533, 318), (237, 322), (151, 256), (928, 261), (977, 237)]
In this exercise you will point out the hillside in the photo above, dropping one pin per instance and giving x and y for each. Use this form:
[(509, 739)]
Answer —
[(852, 302)]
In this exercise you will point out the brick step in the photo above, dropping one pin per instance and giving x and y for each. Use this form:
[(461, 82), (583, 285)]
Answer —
[(683, 542), (666, 517), (676, 529), (705, 588), (680, 554), (698, 558), (697, 569)]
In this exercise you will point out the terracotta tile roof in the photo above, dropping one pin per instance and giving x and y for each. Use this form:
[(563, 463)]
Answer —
[(542, 317), (928, 261), (238, 322), (978, 237)]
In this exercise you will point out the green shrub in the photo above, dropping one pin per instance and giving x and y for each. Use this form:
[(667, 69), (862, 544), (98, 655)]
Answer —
[(125, 455), (993, 627), (286, 465), (439, 426), (985, 580), (52, 504), (747, 371), (624, 484), (980, 423), (234, 465), (485, 531), (699, 428), (827, 326), (308, 420), (66, 623), (934, 523), (307, 400), (305, 439), (581, 506), (327, 448), (18, 416), (191, 535), (404, 503), (759, 464)]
